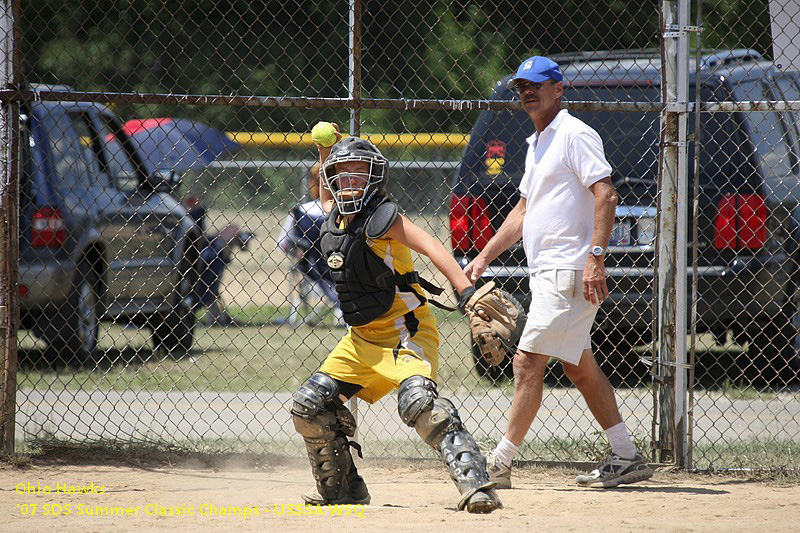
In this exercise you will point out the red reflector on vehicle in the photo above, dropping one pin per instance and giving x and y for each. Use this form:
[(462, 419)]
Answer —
[(459, 222), (753, 227), (741, 222), (481, 224), (47, 228), (22, 291)]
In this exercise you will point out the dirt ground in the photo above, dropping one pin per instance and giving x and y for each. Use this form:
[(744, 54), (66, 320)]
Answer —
[(405, 497)]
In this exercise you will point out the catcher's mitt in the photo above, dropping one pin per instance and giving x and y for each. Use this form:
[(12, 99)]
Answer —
[(496, 321)]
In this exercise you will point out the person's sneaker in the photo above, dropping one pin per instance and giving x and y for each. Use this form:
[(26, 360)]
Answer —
[(498, 472), (617, 471)]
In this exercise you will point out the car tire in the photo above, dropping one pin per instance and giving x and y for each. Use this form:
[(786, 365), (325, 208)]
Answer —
[(71, 332), (613, 351), (772, 355), (174, 331)]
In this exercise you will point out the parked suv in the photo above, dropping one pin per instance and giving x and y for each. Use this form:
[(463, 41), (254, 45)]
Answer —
[(99, 239), (748, 203)]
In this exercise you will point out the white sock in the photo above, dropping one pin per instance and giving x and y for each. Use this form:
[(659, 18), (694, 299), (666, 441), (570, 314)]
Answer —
[(621, 443), (505, 451)]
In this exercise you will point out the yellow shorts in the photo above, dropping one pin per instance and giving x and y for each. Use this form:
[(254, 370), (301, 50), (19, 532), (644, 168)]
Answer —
[(380, 356)]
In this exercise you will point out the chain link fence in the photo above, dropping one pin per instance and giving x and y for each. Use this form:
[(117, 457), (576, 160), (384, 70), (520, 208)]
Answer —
[(168, 291)]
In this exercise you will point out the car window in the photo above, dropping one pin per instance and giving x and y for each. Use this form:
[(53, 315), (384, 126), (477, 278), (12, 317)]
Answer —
[(75, 155), (725, 152), (26, 146), (768, 133), (119, 163), (27, 198), (630, 140), (789, 91)]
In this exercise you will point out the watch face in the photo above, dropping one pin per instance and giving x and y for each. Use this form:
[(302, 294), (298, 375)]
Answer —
[(597, 250)]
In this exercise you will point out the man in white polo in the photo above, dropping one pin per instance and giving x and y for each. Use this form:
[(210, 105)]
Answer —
[(565, 216)]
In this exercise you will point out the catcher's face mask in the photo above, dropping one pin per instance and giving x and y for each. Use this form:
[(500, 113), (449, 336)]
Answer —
[(353, 173)]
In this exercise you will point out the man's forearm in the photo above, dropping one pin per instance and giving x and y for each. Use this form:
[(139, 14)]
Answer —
[(605, 205)]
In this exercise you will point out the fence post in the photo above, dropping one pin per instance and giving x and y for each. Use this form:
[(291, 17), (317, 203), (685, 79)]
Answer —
[(672, 243), (9, 239), (354, 63), (354, 89)]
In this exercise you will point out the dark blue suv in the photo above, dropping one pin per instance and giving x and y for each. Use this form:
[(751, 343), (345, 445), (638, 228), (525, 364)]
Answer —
[(749, 190), (99, 238)]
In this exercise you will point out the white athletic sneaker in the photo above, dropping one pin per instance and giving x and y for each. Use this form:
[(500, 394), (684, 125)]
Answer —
[(498, 472), (617, 471)]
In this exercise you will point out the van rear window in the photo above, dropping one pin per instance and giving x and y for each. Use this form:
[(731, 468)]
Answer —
[(630, 139), (768, 133)]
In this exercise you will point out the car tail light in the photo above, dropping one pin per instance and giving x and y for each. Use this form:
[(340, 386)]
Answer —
[(459, 222), (470, 223), (23, 291), (48, 229), (481, 224), (741, 222)]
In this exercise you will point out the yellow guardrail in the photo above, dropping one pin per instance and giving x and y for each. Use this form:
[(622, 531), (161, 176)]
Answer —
[(381, 140)]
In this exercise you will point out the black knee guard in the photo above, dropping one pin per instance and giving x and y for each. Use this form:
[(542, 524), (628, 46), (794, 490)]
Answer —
[(325, 423), (416, 395), (314, 395), (437, 422)]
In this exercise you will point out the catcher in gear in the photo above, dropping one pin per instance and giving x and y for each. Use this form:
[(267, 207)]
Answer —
[(392, 342), (496, 320)]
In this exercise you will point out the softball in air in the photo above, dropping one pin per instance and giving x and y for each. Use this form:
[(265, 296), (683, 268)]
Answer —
[(323, 134)]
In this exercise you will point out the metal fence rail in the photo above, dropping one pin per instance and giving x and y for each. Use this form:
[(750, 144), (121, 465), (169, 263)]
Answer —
[(154, 297)]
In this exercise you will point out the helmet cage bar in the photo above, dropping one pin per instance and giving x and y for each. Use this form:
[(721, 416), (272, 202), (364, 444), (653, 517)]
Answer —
[(349, 199)]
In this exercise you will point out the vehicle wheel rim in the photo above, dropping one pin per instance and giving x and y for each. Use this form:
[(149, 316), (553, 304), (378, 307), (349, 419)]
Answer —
[(87, 317)]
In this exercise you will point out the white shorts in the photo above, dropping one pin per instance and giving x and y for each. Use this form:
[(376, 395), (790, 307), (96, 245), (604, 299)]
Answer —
[(559, 318)]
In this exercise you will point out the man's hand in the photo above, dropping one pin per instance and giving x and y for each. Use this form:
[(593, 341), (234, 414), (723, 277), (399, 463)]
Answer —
[(475, 268), (595, 289)]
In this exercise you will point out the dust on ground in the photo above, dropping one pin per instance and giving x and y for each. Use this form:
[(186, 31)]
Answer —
[(405, 497)]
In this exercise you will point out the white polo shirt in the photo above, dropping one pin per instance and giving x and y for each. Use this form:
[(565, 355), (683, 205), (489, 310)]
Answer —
[(561, 163)]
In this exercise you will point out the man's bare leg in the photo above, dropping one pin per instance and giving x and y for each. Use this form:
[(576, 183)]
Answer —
[(529, 371), (593, 384), (625, 465), (528, 383)]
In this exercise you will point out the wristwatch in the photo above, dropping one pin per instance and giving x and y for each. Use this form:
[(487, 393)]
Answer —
[(597, 251)]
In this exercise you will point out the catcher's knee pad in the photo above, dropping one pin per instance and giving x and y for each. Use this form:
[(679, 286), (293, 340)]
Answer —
[(317, 409), (441, 428), (325, 423), (416, 395), (314, 394), (433, 424), (465, 462)]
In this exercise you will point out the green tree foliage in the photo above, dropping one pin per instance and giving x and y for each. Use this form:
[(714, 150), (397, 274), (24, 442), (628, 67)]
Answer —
[(412, 49)]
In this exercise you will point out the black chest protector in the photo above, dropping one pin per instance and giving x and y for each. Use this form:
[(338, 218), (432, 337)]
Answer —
[(364, 283)]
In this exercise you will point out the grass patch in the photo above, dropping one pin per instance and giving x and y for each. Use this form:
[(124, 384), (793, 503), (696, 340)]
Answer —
[(748, 456), (255, 358), (744, 391)]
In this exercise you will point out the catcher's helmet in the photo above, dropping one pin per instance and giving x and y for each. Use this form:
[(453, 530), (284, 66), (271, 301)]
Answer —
[(352, 189)]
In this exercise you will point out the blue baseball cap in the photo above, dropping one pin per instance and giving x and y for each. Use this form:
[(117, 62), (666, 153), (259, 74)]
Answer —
[(537, 69)]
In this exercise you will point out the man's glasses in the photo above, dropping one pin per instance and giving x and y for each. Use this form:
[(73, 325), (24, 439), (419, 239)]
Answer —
[(521, 87)]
